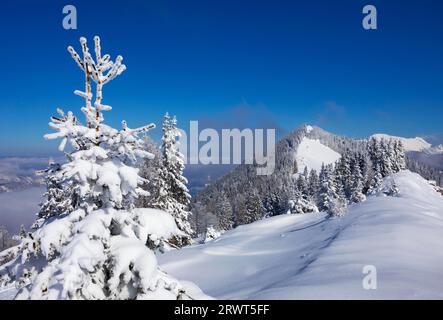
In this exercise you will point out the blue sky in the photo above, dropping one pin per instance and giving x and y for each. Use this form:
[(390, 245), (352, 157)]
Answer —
[(229, 64)]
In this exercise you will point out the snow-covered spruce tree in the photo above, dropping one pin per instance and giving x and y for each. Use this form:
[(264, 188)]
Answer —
[(375, 154), (327, 189), (363, 163), (173, 195), (251, 209), (387, 157), (399, 156), (329, 199), (301, 204), (179, 189), (313, 184), (59, 196), (342, 173), (357, 184), (223, 212), (275, 202), (94, 247), (301, 184), (149, 170)]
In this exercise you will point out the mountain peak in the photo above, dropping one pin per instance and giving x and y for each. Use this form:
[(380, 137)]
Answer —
[(410, 144)]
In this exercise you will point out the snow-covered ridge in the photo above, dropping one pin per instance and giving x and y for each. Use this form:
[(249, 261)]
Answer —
[(410, 144), (311, 153), (312, 257)]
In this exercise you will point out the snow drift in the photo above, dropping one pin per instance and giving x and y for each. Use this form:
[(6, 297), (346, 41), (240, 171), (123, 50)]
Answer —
[(312, 256)]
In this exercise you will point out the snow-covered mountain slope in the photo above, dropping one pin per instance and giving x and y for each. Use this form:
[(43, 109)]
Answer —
[(410, 144), (272, 189), (310, 256), (312, 153)]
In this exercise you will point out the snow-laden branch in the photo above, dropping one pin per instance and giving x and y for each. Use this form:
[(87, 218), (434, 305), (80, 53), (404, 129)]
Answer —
[(101, 71)]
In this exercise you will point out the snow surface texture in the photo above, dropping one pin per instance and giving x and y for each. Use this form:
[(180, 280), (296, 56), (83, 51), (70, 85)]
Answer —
[(8, 293), (312, 257), (312, 153), (410, 144)]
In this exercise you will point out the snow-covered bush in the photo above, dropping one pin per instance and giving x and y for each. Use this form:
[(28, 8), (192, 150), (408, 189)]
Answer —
[(90, 242), (211, 234), (301, 205), (338, 207), (389, 187)]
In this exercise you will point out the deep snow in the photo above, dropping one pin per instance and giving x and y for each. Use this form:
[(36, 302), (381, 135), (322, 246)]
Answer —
[(310, 256)]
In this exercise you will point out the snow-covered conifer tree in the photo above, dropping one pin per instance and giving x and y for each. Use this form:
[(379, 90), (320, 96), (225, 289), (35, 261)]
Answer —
[(251, 209), (94, 244), (363, 163), (149, 170), (329, 199), (173, 195), (313, 184), (301, 185), (301, 204), (342, 173), (376, 179), (223, 212), (386, 160), (376, 157), (399, 156), (357, 184), (179, 189), (58, 196), (327, 191)]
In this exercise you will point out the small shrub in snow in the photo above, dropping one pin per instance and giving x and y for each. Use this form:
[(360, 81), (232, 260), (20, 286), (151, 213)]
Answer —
[(338, 207), (211, 234), (301, 205), (389, 188)]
